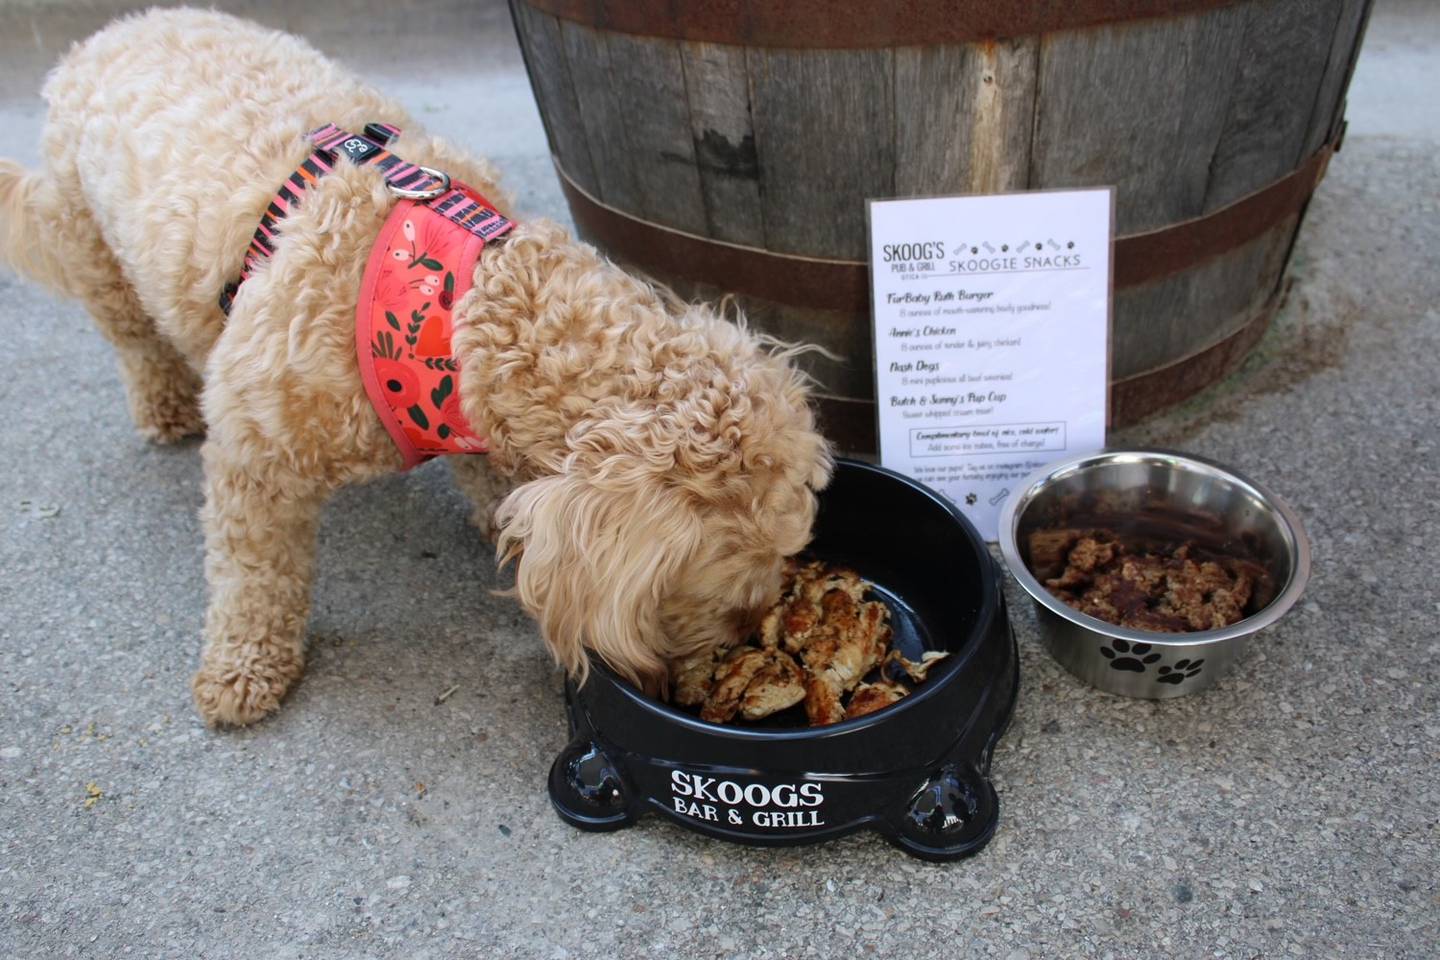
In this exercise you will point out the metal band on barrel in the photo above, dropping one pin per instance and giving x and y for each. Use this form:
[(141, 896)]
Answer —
[(856, 24), (844, 285)]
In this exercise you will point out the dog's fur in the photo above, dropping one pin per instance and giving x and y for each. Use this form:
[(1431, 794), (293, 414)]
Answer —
[(663, 460)]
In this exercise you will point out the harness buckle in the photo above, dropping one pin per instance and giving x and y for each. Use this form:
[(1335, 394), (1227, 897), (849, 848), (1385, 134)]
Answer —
[(430, 193)]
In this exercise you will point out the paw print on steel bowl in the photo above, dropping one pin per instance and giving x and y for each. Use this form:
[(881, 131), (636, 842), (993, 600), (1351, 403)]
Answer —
[(1182, 671), (1134, 657)]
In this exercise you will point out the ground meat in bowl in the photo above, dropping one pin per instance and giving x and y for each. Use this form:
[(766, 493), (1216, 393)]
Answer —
[(1162, 587)]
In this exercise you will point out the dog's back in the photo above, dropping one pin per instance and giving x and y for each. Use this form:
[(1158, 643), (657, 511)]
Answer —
[(167, 135)]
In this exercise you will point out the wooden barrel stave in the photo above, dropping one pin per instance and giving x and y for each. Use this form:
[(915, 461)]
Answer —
[(657, 140), (1339, 65), (1284, 49), (554, 89), (1162, 322), (1107, 112), (603, 117), (817, 159), (778, 148), (985, 92), (717, 79)]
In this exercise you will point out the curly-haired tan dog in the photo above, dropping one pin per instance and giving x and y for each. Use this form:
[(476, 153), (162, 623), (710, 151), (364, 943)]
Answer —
[(665, 460)]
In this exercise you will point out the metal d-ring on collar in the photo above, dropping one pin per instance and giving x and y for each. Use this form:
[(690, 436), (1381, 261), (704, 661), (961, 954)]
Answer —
[(441, 185)]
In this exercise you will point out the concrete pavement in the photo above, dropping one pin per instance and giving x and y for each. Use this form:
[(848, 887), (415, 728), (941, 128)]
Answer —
[(1290, 811)]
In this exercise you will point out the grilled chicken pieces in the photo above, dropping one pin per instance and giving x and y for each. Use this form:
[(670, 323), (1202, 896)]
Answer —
[(754, 682), (916, 671), (824, 622), (847, 638), (869, 697)]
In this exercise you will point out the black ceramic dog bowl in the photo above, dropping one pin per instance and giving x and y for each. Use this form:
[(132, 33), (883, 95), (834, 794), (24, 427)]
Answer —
[(916, 771)]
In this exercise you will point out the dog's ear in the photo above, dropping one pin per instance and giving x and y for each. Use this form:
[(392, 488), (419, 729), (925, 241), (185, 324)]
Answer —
[(595, 561)]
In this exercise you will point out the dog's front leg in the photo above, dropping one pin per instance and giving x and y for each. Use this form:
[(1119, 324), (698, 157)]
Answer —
[(260, 521), (486, 488)]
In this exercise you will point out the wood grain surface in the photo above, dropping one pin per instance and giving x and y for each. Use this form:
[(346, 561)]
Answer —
[(780, 148)]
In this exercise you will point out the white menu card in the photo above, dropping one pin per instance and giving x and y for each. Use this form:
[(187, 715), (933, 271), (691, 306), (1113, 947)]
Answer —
[(992, 327)]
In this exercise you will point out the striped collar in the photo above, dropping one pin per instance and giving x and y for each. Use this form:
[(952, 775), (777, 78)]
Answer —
[(406, 180)]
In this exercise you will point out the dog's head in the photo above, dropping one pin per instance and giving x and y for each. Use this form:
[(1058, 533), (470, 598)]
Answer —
[(667, 528)]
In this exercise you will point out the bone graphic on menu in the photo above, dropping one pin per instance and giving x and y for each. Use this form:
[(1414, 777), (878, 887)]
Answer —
[(995, 500), (986, 245)]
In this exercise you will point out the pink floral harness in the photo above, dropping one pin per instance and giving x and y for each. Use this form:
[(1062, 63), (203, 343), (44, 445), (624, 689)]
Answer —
[(420, 265)]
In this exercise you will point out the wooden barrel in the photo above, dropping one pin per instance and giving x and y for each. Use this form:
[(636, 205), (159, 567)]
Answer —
[(730, 146)]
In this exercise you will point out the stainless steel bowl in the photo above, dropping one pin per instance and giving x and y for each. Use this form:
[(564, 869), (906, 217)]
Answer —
[(1171, 494)]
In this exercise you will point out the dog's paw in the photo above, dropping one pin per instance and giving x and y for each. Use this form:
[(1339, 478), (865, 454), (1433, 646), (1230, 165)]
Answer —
[(482, 518), (235, 696), (166, 409), (170, 419)]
